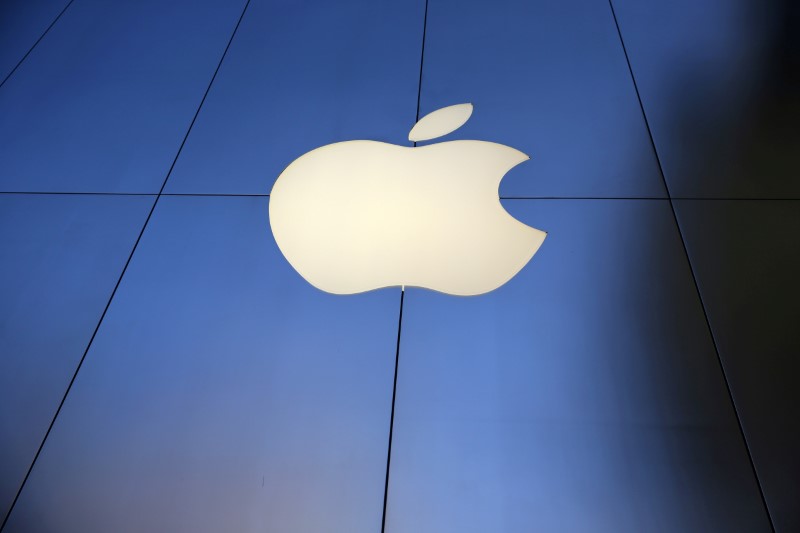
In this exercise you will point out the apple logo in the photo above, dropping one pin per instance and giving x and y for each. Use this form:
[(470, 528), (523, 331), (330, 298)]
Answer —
[(360, 215)]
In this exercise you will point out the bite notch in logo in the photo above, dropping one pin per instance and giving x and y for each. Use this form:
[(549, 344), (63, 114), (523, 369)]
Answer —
[(360, 215)]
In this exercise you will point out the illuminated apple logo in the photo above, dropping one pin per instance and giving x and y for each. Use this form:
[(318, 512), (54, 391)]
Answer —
[(361, 215)]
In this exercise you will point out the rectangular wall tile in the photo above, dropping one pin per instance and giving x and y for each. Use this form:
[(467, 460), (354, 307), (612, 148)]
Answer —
[(61, 257), (550, 79), (104, 101), (222, 393), (299, 76)]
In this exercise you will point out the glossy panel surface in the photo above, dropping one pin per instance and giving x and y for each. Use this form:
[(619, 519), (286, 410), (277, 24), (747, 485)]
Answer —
[(222, 393), (584, 395), (22, 22), (747, 259), (549, 79), (60, 257), (102, 104), (719, 83), (298, 76)]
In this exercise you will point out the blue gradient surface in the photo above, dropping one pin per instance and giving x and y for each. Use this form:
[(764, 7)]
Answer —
[(24, 21), (638, 375), (223, 392), (300, 76), (103, 103), (61, 257), (549, 79)]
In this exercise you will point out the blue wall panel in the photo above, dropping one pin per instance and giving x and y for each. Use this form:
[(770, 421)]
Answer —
[(61, 256), (298, 76), (550, 79), (104, 101), (223, 393)]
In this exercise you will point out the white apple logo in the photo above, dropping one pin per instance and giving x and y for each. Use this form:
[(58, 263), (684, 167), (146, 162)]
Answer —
[(361, 215)]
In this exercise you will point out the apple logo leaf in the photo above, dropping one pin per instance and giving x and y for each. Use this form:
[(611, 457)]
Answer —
[(440, 122)]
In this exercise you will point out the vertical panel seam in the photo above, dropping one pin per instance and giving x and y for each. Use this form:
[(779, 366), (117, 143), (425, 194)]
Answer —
[(692, 271), (391, 417), (402, 296), (422, 58)]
